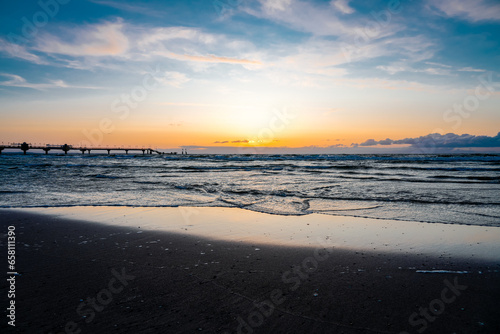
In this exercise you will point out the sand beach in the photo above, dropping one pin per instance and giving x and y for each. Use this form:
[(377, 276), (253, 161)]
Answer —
[(219, 270)]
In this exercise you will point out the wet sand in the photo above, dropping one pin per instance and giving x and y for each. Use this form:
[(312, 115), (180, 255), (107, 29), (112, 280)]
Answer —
[(131, 276)]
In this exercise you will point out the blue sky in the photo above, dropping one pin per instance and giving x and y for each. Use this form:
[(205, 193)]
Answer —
[(349, 70)]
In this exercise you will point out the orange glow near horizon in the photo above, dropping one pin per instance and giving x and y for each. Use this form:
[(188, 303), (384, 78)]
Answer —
[(179, 135), (176, 125)]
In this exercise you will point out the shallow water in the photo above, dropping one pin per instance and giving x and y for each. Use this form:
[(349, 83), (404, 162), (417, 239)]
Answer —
[(446, 241)]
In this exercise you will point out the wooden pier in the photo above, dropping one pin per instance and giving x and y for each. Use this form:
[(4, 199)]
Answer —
[(66, 148)]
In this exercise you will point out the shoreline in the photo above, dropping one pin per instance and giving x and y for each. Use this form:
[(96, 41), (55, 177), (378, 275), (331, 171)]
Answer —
[(185, 282), (471, 242)]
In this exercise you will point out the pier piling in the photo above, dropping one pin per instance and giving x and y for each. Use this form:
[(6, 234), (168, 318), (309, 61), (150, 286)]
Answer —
[(66, 148), (25, 147)]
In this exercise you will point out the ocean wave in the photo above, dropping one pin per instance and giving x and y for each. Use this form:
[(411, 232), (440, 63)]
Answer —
[(14, 192), (101, 176), (430, 188), (468, 177)]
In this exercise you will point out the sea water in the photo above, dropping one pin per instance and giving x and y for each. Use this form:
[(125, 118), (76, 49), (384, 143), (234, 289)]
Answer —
[(454, 189)]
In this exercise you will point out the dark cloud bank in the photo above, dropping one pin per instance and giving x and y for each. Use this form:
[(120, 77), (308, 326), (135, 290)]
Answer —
[(430, 144), (449, 140)]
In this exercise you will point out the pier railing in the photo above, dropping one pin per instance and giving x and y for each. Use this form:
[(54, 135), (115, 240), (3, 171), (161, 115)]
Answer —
[(66, 148)]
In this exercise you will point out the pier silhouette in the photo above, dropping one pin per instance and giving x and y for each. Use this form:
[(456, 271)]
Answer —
[(66, 148)]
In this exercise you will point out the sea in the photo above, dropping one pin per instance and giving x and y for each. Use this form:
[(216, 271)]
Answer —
[(451, 189)]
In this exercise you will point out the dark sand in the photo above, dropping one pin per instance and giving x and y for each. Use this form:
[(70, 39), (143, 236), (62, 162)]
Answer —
[(186, 284)]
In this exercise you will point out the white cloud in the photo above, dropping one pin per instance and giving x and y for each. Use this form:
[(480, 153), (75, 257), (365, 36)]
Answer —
[(106, 39), (405, 50), (474, 11), (470, 69), (402, 67), (18, 81), (438, 64), (316, 62), (386, 84), (393, 69), (129, 8), (415, 49), (209, 58), (116, 39), (275, 5), (319, 20), (170, 34), (323, 19), (343, 6), (175, 79), (216, 59), (194, 45), (437, 69), (18, 51)]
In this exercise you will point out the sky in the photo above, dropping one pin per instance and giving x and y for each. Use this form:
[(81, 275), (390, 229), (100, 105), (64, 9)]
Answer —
[(253, 76)]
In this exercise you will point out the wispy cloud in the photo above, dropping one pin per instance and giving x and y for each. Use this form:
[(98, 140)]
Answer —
[(175, 79), (320, 60), (474, 11), (304, 16), (438, 69), (218, 59), (129, 8), (321, 19), (343, 6), (205, 58), (162, 34), (106, 39), (189, 44), (403, 67), (80, 47), (18, 51), (18, 81), (437, 64), (470, 69), (275, 5)]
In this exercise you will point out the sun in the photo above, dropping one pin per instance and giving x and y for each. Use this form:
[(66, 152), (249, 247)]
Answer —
[(250, 121)]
